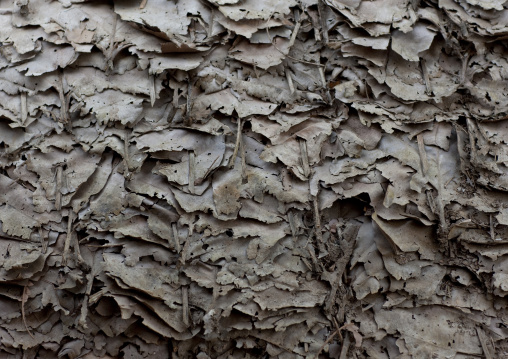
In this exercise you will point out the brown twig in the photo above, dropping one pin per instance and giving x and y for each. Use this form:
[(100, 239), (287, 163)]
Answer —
[(175, 237), (324, 28), (58, 184), (317, 226), (24, 108), (68, 237), (185, 305), (237, 144), (423, 154), (346, 326), (330, 338), (304, 156), (24, 299), (192, 172), (345, 347), (297, 27), (483, 342), (84, 306)]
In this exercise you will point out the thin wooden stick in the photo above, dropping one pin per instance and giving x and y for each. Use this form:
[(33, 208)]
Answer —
[(324, 28), (423, 154), (24, 299), (192, 172), (175, 237), (483, 342), (84, 305), (185, 305), (24, 108), (282, 52), (232, 160), (68, 237), (345, 347), (290, 81), (330, 338), (304, 156), (58, 184), (151, 79)]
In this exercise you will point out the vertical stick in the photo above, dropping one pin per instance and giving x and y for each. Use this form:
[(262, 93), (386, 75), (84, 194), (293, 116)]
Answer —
[(188, 115), (24, 109), (212, 20), (244, 160), (24, 299), (304, 156), (317, 226), (84, 305), (483, 342), (232, 160), (324, 27), (345, 346), (111, 49), (43, 242), (492, 230), (63, 102), (68, 237), (185, 305), (192, 172), (290, 81), (442, 219), (126, 156), (151, 79), (428, 84), (175, 236), (292, 224), (58, 184), (295, 32), (423, 154)]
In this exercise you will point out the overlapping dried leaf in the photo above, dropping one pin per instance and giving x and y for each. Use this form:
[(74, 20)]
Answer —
[(234, 179)]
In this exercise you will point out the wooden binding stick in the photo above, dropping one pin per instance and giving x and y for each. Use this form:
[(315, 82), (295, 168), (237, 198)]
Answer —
[(67, 245), (304, 156), (192, 172), (185, 305), (423, 154), (24, 108), (84, 305), (175, 237), (24, 299), (317, 228), (237, 144), (58, 184)]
